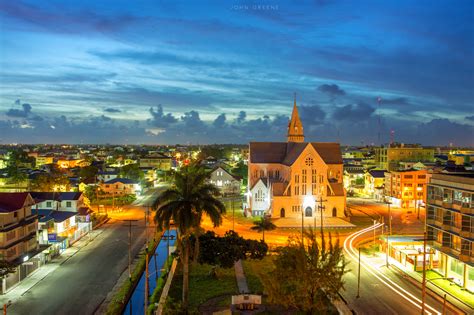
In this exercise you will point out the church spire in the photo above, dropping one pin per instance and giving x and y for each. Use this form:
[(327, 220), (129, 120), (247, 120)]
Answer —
[(295, 127)]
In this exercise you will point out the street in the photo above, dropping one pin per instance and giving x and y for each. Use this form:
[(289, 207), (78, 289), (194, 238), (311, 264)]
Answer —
[(82, 282)]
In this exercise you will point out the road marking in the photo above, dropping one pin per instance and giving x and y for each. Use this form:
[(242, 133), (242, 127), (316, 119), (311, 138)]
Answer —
[(348, 246)]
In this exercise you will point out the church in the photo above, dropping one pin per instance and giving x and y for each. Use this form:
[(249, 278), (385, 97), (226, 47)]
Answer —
[(295, 178)]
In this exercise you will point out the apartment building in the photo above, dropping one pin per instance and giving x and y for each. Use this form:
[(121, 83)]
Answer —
[(18, 237), (156, 161), (406, 188), (450, 226), (388, 158)]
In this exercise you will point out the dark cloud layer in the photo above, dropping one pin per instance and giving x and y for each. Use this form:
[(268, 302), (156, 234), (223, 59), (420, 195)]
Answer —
[(15, 112), (353, 112)]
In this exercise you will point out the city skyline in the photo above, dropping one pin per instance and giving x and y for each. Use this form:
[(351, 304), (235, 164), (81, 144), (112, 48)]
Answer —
[(226, 73)]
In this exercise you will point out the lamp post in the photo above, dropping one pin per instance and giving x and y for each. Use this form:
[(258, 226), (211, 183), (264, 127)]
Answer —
[(418, 189), (389, 231)]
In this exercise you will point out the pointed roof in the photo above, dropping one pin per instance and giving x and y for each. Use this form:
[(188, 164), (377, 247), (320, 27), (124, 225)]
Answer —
[(295, 127)]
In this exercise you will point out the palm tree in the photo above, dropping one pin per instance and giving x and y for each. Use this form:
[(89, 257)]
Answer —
[(185, 202), (264, 223)]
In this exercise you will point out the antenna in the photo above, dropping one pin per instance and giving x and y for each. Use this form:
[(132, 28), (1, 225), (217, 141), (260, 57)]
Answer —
[(392, 137), (379, 100)]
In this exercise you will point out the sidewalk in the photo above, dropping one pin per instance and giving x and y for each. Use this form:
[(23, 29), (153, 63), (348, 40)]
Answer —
[(45, 270), (433, 290), (240, 277)]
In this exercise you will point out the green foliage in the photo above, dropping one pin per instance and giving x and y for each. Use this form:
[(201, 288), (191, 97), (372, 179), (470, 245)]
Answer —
[(225, 251), (50, 182), (241, 170), (306, 274), (263, 224), (6, 268), (160, 283), (132, 171), (88, 173)]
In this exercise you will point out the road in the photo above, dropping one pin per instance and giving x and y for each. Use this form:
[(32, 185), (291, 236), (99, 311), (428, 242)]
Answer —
[(382, 290), (82, 282)]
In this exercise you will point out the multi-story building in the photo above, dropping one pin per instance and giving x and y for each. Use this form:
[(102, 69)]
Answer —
[(42, 160), (406, 188), (289, 179), (18, 237), (157, 161), (450, 226), (374, 182), (388, 158)]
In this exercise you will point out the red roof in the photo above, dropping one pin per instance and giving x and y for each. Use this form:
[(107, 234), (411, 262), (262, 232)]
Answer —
[(13, 201)]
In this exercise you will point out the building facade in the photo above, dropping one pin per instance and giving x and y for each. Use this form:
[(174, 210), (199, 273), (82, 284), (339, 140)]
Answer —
[(450, 226), (227, 183), (156, 161), (295, 178), (388, 158), (406, 188)]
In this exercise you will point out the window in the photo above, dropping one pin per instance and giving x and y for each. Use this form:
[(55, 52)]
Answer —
[(309, 161), (68, 204), (15, 214), (277, 174), (304, 176), (49, 204)]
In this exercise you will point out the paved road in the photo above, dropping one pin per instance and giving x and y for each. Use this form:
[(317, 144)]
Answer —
[(81, 284), (382, 290)]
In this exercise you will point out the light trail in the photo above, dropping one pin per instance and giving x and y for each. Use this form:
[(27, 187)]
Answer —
[(348, 246)]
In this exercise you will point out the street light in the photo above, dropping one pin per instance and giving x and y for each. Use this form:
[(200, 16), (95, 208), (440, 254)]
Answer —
[(418, 189), (389, 230)]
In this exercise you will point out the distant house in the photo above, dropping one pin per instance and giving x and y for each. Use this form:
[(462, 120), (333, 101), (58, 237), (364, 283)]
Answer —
[(157, 161), (120, 186), (107, 175), (353, 179), (374, 184), (226, 182)]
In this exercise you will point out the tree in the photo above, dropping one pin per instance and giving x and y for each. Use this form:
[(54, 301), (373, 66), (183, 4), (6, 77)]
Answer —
[(225, 251), (88, 173), (241, 170), (132, 171), (54, 181), (306, 275), (263, 224), (6, 268), (185, 202)]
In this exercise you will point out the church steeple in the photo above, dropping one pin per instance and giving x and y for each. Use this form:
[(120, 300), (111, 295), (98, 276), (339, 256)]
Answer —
[(295, 127)]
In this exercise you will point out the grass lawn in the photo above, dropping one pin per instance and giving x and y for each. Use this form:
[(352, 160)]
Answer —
[(448, 286), (203, 287), (252, 270)]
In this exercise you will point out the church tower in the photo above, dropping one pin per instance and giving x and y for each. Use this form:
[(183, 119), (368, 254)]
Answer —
[(295, 127)]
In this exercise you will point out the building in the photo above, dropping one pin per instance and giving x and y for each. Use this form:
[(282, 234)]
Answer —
[(18, 240), (227, 183), (42, 160), (374, 182), (120, 186), (388, 158), (105, 176), (289, 179), (353, 179), (450, 226), (157, 161), (406, 188)]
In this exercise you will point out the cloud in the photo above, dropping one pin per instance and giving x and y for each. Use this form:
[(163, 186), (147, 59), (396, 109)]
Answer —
[(332, 90), (311, 115), (242, 116), (219, 122), (470, 118), (353, 112), (20, 113), (112, 110), (192, 122), (159, 119)]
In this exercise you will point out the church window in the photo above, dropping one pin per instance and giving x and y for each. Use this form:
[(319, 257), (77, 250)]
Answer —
[(304, 176), (309, 161), (303, 189), (277, 174)]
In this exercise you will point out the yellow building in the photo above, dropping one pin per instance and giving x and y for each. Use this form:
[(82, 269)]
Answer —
[(388, 158), (406, 188), (42, 160), (71, 163), (288, 179), (157, 161), (374, 181)]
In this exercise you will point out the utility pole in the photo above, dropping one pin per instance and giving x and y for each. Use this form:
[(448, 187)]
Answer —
[(321, 208), (146, 282), (129, 247), (302, 224), (423, 290), (358, 279), (389, 231)]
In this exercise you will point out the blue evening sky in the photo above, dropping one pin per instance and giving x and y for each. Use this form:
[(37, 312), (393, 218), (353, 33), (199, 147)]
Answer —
[(225, 71)]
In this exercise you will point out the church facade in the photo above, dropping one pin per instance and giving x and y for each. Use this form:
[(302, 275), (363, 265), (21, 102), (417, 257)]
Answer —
[(295, 178)]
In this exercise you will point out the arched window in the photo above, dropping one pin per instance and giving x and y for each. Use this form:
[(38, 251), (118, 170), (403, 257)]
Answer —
[(282, 212), (308, 212)]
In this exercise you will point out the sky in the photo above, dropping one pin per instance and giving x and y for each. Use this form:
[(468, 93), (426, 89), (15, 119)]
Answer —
[(199, 72)]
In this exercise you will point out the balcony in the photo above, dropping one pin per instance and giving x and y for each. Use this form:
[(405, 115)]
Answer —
[(448, 205), (466, 234), (466, 209), (465, 258), (430, 221)]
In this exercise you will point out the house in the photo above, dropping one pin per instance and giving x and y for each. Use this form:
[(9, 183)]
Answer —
[(227, 183), (105, 176), (120, 186), (295, 178), (374, 184), (353, 179), (18, 240), (157, 161)]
